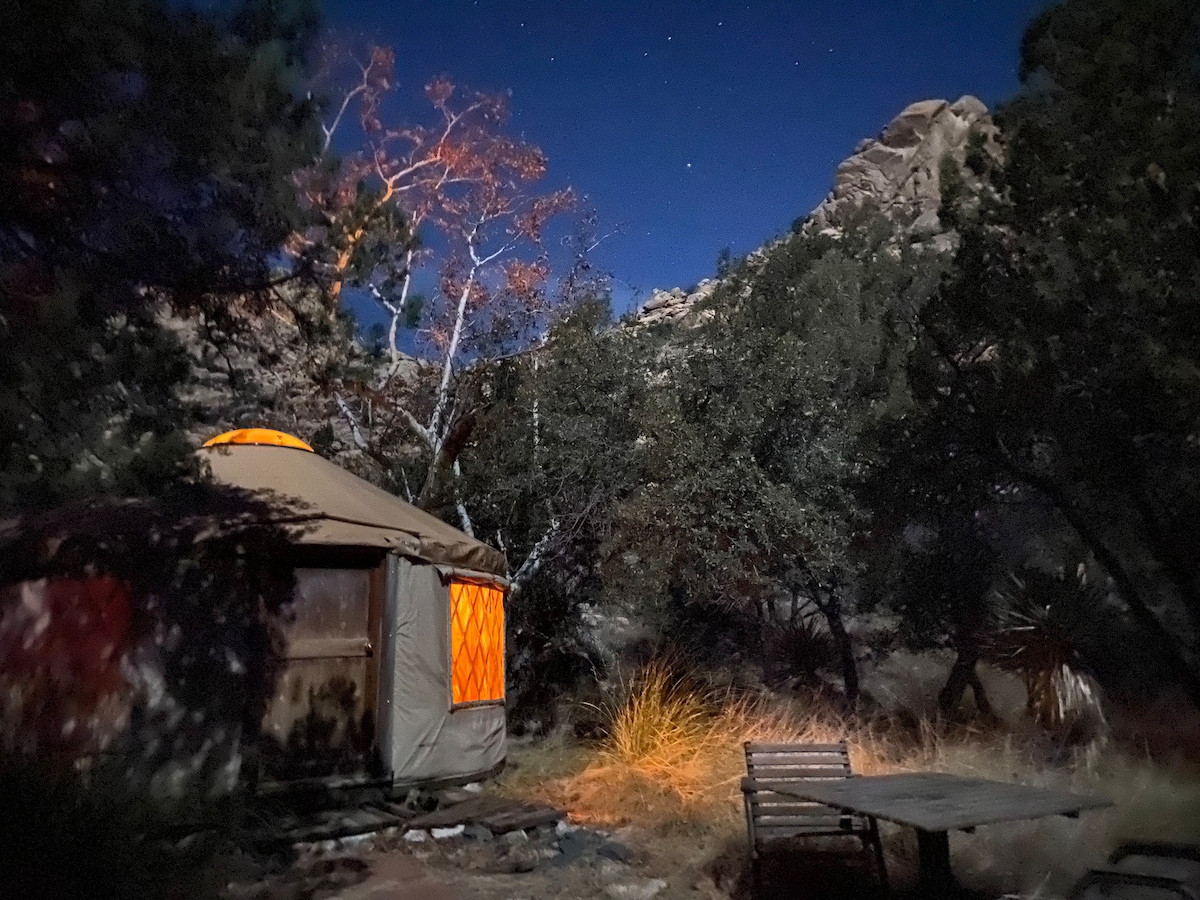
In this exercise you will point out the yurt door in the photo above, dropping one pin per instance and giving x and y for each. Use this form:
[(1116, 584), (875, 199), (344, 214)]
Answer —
[(321, 718)]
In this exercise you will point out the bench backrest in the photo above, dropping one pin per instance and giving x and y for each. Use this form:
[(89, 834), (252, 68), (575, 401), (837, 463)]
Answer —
[(797, 762), (770, 815)]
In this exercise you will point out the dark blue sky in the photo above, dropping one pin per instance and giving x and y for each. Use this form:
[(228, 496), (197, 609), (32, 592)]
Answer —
[(696, 125)]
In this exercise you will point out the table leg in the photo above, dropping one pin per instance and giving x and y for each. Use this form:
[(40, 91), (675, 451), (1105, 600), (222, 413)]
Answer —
[(933, 853)]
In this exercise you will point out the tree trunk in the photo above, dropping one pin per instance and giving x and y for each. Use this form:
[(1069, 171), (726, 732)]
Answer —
[(443, 394), (958, 681), (831, 609), (962, 676)]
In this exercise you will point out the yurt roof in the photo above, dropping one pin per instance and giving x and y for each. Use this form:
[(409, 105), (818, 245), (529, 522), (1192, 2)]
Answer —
[(331, 506)]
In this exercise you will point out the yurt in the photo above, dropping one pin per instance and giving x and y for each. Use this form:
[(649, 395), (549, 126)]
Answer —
[(388, 665)]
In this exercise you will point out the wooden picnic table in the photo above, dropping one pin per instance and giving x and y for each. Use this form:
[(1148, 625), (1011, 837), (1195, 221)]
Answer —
[(936, 804)]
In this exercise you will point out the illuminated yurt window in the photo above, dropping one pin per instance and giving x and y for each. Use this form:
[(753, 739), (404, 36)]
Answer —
[(476, 642)]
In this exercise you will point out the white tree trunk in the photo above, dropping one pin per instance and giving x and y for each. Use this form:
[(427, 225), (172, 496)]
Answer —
[(463, 518), (533, 562), (355, 431), (397, 310), (443, 395)]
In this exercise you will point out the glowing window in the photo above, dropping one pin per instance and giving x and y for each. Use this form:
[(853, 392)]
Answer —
[(476, 643)]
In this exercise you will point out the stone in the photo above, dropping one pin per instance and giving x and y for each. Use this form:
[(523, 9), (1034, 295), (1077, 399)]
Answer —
[(898, 173), (616, 851), (639, 890), (441, 834), (479, 833), (416, 837), (926, 223), (453, 796), (515, 837), (517, 861), (912, 125), (969, 107), (611, 871), (573, 846)]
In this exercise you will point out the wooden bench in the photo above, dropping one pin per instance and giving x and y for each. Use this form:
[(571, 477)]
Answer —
[(771, 816)]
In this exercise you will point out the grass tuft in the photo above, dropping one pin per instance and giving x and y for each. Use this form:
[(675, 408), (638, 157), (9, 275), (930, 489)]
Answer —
[(672, 752)]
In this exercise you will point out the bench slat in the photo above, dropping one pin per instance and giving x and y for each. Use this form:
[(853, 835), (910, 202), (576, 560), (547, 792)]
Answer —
[(776, 834), (755, 747), (757, 783), (781, 773), (767, 812)]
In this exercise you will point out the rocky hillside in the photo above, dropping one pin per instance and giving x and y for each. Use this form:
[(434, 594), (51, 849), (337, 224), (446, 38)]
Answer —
[(898, 173)]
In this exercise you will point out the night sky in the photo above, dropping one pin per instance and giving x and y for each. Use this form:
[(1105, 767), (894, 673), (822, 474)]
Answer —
[(697, 125)]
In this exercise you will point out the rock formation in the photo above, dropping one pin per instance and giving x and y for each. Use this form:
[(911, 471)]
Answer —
[(675, 304), (897, 173)]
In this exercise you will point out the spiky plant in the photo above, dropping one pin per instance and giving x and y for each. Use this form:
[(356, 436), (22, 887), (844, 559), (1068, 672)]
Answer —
[(1045, 624), (798, 650)]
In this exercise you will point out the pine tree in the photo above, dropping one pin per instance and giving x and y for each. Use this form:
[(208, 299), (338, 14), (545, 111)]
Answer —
[(145, 154)]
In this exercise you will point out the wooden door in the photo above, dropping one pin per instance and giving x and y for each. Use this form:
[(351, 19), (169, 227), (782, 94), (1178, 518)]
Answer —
[(320, 721)]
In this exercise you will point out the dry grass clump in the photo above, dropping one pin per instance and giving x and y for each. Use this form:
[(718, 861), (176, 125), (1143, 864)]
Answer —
[(673, 752)]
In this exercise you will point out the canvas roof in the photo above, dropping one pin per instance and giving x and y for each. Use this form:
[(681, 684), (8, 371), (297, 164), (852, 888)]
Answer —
[(331, 506)]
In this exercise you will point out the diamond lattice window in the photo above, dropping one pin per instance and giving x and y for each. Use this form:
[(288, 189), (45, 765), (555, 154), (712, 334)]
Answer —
[(476, 642)]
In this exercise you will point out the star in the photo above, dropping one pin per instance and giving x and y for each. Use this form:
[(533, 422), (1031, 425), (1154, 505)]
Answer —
[(689, 165)]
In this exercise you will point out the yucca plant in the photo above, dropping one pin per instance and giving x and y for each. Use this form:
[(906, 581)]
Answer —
[(1044, 624), (800, 649)]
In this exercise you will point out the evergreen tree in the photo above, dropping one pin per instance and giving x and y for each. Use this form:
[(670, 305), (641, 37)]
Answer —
[(759, 434), (1064, 353), (145, 154)]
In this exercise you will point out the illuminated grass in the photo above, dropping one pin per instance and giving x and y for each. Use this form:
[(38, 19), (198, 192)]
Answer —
[(672, 756)]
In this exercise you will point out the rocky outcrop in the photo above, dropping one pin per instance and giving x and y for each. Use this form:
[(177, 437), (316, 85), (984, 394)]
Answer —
[(674, 305), (899, 172)]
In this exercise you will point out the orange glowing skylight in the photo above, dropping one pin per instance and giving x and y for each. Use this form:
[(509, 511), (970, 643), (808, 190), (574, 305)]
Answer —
[(267, 436)]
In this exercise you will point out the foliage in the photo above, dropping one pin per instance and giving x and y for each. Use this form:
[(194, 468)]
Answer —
[(145, 160), (672, 751), (760, 430), (1047, 626), (798, 650), (1062, 351), (472, 187), (551, 456), (127, 173)]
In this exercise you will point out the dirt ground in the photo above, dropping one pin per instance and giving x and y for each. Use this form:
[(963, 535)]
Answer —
[(668, 864), (387, 867)]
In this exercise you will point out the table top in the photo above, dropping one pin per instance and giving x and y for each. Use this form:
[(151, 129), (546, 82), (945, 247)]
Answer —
[(937, 802)]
